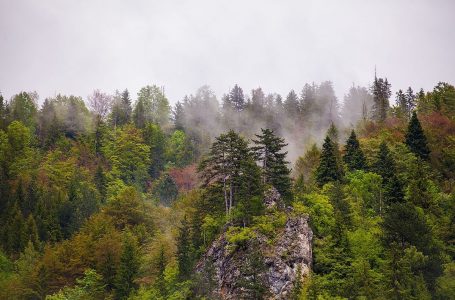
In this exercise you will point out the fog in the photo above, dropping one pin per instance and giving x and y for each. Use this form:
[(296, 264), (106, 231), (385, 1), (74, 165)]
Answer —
[(74, 47)]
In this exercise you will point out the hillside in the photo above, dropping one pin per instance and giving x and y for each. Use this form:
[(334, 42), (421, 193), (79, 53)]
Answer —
[(252, 197)]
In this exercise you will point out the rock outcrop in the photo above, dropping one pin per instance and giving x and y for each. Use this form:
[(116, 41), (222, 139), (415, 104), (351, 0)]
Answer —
[(289, 252)]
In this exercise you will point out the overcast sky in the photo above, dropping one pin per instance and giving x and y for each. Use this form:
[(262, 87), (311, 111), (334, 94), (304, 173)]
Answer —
[(74, 47)]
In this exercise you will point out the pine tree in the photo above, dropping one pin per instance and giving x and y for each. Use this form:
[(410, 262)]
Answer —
[(32, 231), (178, 116), (236, 98), (354, 157), (381, 94), (128, 268), (184, 250), (101, 182), (160, 282), (416, 139), (269, 151), (225, 165), (291, 105), (328, 169), (385, 166), (2, 112)]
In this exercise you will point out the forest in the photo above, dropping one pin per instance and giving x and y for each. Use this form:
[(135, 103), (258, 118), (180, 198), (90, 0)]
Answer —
[(119, 196)]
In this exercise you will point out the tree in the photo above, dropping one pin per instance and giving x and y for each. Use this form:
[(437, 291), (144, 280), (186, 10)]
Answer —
[(184, 250), (236, 98), (381, 94), (225, 165), (128, 155), (154, 137), (128, 268), (328, 169), (165, 190), (151, 106), (23, 108), (385, 166), (353, 156), (178, 116), (2, 112), (291, 105), (416, 139), (121, 109), (269, 152), (100, 103), (356, 106)]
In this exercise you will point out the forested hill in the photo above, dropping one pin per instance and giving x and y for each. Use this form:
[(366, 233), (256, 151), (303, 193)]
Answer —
[(115, 198)]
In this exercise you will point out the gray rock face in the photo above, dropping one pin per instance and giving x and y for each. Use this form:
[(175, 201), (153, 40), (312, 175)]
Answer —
[(283, 258)]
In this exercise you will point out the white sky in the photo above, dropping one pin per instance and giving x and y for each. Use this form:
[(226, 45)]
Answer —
[(74, 47)]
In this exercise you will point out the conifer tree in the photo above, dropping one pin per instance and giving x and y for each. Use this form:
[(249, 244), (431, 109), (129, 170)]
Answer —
[(385, 166), (160, 282), (269, 151), (354, 157), (128, 268), (225, 165), (101, 182), (178, 116), (328, 169), (416, 139), (291, 105), (381, 94), (184, 250), (236, 98)]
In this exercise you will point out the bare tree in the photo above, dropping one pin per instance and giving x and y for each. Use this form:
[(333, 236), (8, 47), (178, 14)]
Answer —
[(100, 103)]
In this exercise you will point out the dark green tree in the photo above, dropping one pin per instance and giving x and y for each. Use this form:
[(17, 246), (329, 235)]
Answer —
[(416, 139), (121, 109), (236, 98), (391, 185), (184, 250), (128, 268), (291, 105), (269, 152), (154, 137), (225, 165), (328, 169), (381, 94), (178, 116), (101, 182), (353, 156)]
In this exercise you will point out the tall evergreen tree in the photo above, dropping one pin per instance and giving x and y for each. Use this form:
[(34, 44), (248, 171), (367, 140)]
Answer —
[(269, 151), (381, 94), (184, 250), (416, 139), (178, 116), (354, 157), (236, 98), (225, 165), (291, 105), (2, 112), (128, 268), (385, 166), (328, 169), (121, 109)]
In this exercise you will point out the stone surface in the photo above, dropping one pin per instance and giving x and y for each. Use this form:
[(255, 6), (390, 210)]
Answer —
[(291, 249)]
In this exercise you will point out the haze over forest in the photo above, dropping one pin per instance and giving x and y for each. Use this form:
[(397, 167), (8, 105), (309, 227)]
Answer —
[(224, 150), (54, 47)]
